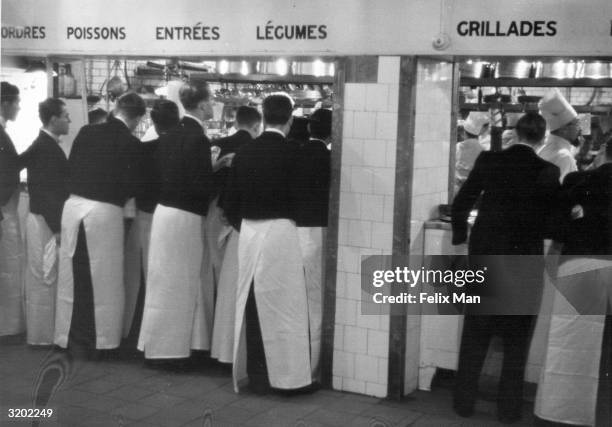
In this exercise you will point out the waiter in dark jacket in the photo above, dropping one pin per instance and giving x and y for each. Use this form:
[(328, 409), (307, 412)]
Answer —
[(271, 295), (518, 191), (165, 117), (248, 124), (11, 247), (312, 177), (223, 238), (103, 175), (179, 303), (574, 382), (48, 189)]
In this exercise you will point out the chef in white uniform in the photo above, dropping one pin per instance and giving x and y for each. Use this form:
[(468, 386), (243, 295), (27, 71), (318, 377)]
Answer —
[(562, 123), (469, 149)]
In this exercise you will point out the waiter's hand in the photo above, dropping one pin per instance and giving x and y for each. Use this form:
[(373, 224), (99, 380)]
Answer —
[(225, 161), (577, 212)]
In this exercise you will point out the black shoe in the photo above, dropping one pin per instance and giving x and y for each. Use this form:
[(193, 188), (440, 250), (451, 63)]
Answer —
[(309, 389), (509, 418), (259, 388), (463, 410)]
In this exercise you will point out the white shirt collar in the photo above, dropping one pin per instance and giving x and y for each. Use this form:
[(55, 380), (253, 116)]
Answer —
[(122, 120), (2, 122), (280, 132), (52, 135), (317, 139), (200, 122)]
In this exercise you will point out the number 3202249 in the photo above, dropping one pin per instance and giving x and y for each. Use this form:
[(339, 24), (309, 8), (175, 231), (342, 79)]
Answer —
[(30, 413)]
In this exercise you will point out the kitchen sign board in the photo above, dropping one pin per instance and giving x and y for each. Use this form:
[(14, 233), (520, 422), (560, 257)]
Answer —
[(306, 27)]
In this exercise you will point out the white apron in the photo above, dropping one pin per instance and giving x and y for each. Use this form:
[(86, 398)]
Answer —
[(225, 309), (567, 391), (177, 312), (40, 289), (11, 268), (104, 229), (269, 254), (136, 263), (311, 245)]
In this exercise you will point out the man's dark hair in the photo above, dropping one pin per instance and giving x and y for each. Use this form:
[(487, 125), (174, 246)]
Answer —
[(8, 92), (247, 116), (48, 108), (531, 128), (277, 109), (97, 115), (321, 123), (191, 94), (132, 105), (165, 115)]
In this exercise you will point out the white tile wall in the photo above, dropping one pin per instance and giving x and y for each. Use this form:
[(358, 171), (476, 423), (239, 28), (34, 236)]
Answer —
[(366, 226), (430, 176)]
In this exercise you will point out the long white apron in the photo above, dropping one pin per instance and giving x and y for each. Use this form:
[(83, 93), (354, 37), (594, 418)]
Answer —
[(136, 264), (225, 310), (567, 391), (311, 245), (103, 223), (177, 316), (12, 319), (40, 290), (269, 254)]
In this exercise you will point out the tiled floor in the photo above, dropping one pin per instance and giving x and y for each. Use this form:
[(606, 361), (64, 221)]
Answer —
[(123, 392)]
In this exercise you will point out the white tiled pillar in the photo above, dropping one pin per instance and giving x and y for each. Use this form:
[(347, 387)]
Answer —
[(432, 142), (367, 189)]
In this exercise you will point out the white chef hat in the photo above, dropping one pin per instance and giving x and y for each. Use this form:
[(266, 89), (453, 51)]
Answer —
[(556, 110), (475, 122)]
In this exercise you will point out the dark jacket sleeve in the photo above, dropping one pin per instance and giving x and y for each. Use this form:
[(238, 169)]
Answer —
[(198, 165), (551, 196), (9, 168), (466, 199), (51, 190)]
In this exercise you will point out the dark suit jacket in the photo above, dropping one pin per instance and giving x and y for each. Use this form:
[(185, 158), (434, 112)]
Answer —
[(260, 185), (184, 164), (9, 167), (229, 144), (591, 234), (149, 186), (312, 176), (47, 179), (519, 191), (104, 163)]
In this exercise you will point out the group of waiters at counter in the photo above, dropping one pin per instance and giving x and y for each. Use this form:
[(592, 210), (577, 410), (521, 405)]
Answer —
[(223, 256), (532, 200)]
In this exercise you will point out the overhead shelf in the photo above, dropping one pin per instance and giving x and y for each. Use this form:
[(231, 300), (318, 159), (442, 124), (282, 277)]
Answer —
[(539, 82), (517, 108)]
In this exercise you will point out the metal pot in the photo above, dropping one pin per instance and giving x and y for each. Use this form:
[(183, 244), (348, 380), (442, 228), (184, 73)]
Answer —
[(560, 69), (279, 67), (316, 68), (515, 69), (596, 70), (471, 69), (234, 67)]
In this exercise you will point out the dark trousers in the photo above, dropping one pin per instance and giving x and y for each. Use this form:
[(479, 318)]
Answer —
[(83, 324), (257, 370), (515, 332)]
